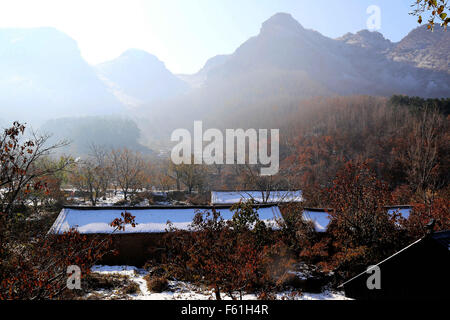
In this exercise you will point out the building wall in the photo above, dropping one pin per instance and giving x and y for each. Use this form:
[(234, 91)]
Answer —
[(133, 249)]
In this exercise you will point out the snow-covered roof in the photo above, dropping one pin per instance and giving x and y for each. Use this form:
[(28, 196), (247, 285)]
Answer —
[(230, 197), (149, 220), (319, 217)]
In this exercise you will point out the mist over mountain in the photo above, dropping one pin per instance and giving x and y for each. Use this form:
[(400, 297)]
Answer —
[(364, 63), (138, 77), (109, 132), (196, 80), (272, 72), (269, 75), (44, 76)]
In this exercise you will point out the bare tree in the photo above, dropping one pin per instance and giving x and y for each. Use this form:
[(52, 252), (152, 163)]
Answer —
[(264, 184), (19, 169), (174, 171), (421, 156), (101, 161), (193, 176), (160, 173), (128, 168), (87, 177)]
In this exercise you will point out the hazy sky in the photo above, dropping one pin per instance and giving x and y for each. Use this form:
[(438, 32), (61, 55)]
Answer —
[(185, 33)]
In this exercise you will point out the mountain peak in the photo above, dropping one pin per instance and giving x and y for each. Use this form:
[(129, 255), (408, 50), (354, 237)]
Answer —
[(424, 49), (136, 52), (37, 42), (140, 77), (367, 39), (139, 55), (425, 37), (134, 59), (281, 22)]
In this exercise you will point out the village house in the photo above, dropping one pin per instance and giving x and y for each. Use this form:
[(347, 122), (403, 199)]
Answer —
[(279, 196), (135, 244), (318, 216)]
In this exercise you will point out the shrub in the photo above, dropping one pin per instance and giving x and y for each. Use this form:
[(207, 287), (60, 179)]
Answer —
[(361, 230), (121, 202), (95, 282), (228, 256), (438, 209), (39, 269), (36, 268), (131, 288), (198, 199), (156, 284)]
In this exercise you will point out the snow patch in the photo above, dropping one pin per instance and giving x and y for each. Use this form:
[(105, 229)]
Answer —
[(179, 290)]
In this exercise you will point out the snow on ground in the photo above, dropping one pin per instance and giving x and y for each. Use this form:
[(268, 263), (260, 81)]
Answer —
[(179, 290), (109, 200)]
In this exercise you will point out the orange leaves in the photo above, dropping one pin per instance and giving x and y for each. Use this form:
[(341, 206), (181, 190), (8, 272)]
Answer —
[(435, 10), (41, 272), (422, 213), (360, 231), (228, 256), (119, 223)]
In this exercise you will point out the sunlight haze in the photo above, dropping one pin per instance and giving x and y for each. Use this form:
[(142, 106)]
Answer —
[(184, 34)]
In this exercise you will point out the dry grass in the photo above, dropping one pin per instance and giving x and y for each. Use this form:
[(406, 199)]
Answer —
[(156, 284), (110, 286)]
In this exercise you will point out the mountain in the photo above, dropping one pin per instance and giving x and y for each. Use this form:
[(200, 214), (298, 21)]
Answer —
[(424, 49), (371, 40), (83, 132), (214, 62), (270, 74), (363, 63), (44, 76), (138, 77), (196, 80)]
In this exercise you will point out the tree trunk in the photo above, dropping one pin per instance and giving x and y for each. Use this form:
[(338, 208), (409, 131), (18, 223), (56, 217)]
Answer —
[(217, 292)]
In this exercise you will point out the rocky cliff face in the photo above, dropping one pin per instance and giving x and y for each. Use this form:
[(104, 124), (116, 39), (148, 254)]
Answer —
[(361, 63), (369, 40), (424, 49)]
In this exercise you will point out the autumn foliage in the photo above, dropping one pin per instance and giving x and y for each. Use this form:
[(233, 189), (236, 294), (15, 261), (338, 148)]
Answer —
[(354, 156), (231, 257), (361, 231), (39, 270)]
